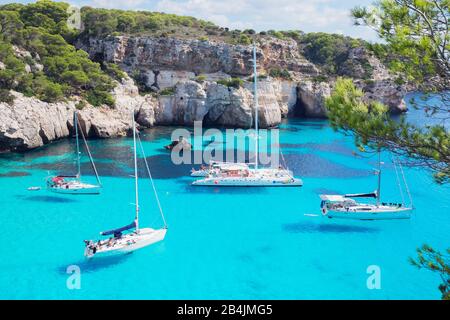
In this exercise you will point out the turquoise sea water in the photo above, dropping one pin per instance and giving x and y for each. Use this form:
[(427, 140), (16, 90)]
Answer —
[(249, 243)]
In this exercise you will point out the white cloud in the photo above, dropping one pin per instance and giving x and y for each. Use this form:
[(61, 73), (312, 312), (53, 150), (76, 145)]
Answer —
[(306, 15)]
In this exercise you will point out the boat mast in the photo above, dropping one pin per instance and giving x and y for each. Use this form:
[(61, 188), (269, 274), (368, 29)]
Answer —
[(90, 156), (255, 96), (75, 122), (379, 177), (135, 175)]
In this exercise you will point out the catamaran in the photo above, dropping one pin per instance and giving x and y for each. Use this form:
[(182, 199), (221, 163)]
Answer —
[(137, 237), (72, 184), (241, 174), (346, 207)]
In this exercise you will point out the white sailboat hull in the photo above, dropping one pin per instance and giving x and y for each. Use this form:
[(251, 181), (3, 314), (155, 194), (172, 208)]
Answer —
[(378, 213), (129, 243), (75, 188)]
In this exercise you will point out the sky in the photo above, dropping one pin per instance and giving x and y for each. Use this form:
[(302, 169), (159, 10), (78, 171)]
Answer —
[(331, 16)]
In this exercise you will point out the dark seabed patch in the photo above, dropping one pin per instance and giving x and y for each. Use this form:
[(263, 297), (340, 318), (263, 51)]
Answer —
[(313, 166), (115, 153), (160, 133), (296, 125), (304, 227), (334, 147), (53, 149), (11, 174)]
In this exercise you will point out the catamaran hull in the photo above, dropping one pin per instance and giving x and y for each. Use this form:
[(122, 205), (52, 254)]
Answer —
[(381, 215), (199, 173), (145, 238), (212, 182)]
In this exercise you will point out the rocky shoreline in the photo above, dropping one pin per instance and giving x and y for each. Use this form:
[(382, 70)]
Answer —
[(187, 77)]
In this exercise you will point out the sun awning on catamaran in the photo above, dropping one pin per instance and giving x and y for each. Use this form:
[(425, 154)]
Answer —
[(361, 195), (119, 230)]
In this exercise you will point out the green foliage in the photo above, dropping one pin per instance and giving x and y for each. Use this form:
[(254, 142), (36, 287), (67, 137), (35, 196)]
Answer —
[(327, 50), (46, 90), (319, 79), (435, 261), (374, 128), (276, 34), (280, 73), (114, 71), (244, 39), (101, 22), (416, 34), (98, 97), (80, 105), (5, 96), (232, 83), (200, 78), (167, 91), (41, 28)]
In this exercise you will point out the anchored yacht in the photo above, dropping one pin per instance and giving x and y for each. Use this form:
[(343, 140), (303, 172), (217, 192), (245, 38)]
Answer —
[(346, 207), (137, 237), (72, 184)]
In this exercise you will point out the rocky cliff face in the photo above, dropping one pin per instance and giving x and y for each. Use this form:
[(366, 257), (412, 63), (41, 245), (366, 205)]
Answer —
[(30, 123), (186, 75), (154, 55), (165, 62)]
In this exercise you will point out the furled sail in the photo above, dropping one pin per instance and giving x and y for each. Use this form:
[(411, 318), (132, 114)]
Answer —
[(118, 230), (362, 195)]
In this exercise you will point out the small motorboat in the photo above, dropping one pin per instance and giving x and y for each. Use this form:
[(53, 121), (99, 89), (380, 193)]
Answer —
[(34, 188)]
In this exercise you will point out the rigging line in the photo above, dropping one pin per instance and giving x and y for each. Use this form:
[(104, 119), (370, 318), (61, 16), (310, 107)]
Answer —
[(78, 145), (406, 186), (398, 179), (151, 179), (284, 160), (89, 152)]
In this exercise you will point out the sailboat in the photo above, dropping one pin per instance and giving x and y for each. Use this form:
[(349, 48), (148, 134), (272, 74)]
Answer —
[(72, 184), (241, 174), (137, 237), (346, 207)]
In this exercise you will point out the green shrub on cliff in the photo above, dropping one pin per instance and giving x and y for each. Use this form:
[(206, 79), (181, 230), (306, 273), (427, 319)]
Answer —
[(245, 39), (101, 22), (232, 83), (167, 91), (328, 50), (5, 96), (280, 73)]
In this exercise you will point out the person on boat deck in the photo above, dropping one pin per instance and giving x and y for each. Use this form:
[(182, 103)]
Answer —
[(110, 242)]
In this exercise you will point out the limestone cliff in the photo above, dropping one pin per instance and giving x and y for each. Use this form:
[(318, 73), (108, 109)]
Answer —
[(187, 81)]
